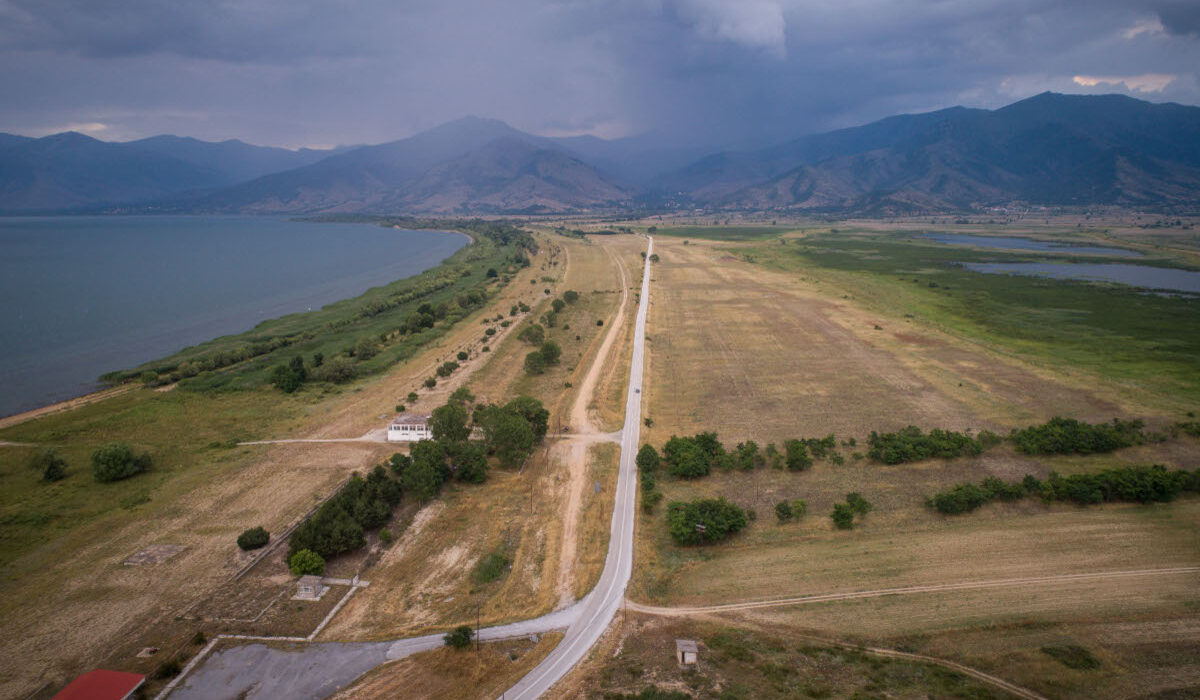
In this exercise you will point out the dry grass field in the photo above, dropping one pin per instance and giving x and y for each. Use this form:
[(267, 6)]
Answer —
[(756, 353)]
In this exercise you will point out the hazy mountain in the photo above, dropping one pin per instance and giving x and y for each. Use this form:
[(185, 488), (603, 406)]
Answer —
[(235, 160), (510, 175), (73, 171), (1050, 149), (70, 170), (471, 164)]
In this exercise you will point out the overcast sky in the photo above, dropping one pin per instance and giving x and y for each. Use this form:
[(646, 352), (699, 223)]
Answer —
[(323, 72)]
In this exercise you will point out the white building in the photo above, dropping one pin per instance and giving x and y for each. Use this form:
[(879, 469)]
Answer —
[(409, 427)]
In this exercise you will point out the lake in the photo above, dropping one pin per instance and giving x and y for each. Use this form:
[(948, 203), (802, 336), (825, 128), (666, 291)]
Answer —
[(1157, 278), (81, 296), (1017, 243)]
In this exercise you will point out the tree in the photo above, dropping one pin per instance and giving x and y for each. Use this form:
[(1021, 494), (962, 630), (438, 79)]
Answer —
[(718, 519), (551, 352), (783, 511), (116, 461), (253, 538), (532, 410), (843, 516), (570, 296), (508, 435), (462, 355), (306, 562), (468, 462), (366, 348), (425, 476), (460, 637), (796, 455), (654, 257), (412, 397), (449, 422), (534, 334), (52, 467), (535, 363), (689, 461), (747, 457), (860, 505), (799, 508), (648, 459), (461, 395), (338, 370), (286, 378), (491, 273)]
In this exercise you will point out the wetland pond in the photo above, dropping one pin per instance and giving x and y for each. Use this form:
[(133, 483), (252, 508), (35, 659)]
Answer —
[(1156, 278), (1030, 244)]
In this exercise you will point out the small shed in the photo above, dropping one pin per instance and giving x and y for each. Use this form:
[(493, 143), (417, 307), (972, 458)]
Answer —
[(409, 427), (686, 652), (309, 588), (102, 685)]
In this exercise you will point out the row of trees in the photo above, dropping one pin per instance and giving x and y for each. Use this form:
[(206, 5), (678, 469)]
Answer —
[(696, 456), (912, 445), (113, 461), (1141, 484), (1069, 436)]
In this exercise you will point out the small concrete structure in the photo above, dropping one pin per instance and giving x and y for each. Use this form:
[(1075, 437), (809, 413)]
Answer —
[(409, 427), (686, 652), (310, 588)]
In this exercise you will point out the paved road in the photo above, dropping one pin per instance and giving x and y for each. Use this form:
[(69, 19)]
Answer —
[(599, 606)]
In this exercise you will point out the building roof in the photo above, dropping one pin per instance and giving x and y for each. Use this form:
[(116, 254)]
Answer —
[(685, 645), (412, 419), (102, 685)]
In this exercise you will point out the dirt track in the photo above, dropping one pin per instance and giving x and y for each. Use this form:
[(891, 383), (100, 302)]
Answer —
[(933, 588)]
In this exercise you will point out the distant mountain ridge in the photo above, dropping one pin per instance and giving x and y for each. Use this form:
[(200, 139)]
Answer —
[(71, 171), (1051, 149)]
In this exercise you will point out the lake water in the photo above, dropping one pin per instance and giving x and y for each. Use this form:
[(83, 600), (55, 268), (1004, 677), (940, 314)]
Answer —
[(1017, 243), (81, 296), (1157, 278)]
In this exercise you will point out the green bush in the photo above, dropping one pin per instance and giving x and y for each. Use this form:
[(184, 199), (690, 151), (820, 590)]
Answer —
[(860, 505), (535, 363), (491, 566), (796, 455), (911, 445), (253, 538), (460, 637), (116, 461), (783, 511), (843, 516), (51, 466), (719, 518), (306, 562), (1069, 436)]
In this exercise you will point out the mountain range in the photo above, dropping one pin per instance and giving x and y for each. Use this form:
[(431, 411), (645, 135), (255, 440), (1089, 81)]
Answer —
[(1051, 149)]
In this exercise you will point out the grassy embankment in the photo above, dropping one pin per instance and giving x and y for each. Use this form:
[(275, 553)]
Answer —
[(789, 349)]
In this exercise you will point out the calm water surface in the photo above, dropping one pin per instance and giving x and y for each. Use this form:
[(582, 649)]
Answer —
[(81, 296), (1017, 243), (1158, 278)]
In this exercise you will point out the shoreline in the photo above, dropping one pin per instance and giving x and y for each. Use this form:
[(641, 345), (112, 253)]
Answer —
[(100, 394)]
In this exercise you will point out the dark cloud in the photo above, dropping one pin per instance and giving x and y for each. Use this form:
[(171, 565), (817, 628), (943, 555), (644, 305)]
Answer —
[(1180, 16), (299, 72)]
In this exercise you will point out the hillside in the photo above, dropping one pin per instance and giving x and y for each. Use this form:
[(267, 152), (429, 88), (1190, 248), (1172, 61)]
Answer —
[(1066, 150)]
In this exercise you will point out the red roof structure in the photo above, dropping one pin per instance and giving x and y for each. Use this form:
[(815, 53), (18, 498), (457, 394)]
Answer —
[(102, 685)]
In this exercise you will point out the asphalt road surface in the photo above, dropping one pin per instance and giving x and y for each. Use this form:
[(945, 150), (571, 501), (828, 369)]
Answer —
[(602, 603)]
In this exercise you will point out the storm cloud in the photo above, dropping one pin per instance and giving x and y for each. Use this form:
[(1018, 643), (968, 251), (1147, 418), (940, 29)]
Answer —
[(719, 72)]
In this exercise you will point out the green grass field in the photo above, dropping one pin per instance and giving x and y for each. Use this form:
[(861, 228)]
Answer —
[(723, 233), (1112, 330)]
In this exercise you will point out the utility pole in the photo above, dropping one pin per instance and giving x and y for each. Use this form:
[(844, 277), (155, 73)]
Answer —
[(477, 606)]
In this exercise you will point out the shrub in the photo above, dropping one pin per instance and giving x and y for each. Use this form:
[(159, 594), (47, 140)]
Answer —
[(167, 669), (651, 499), (796, 455), (719, 519), (535, 363), (1069, 436), (558, 305), (783, 511), (412, 397), (843, 516), (306, 562), (386, 536), (911, 445), (491, 566), (551, 352), (338, 370), (1072, 656), (430, 382), (52, 467), (366, 348), (253, 538), (462, 355), (799, 508), (460, 637), (534, 334), (860, 505), (570, 296), (116, 461)]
